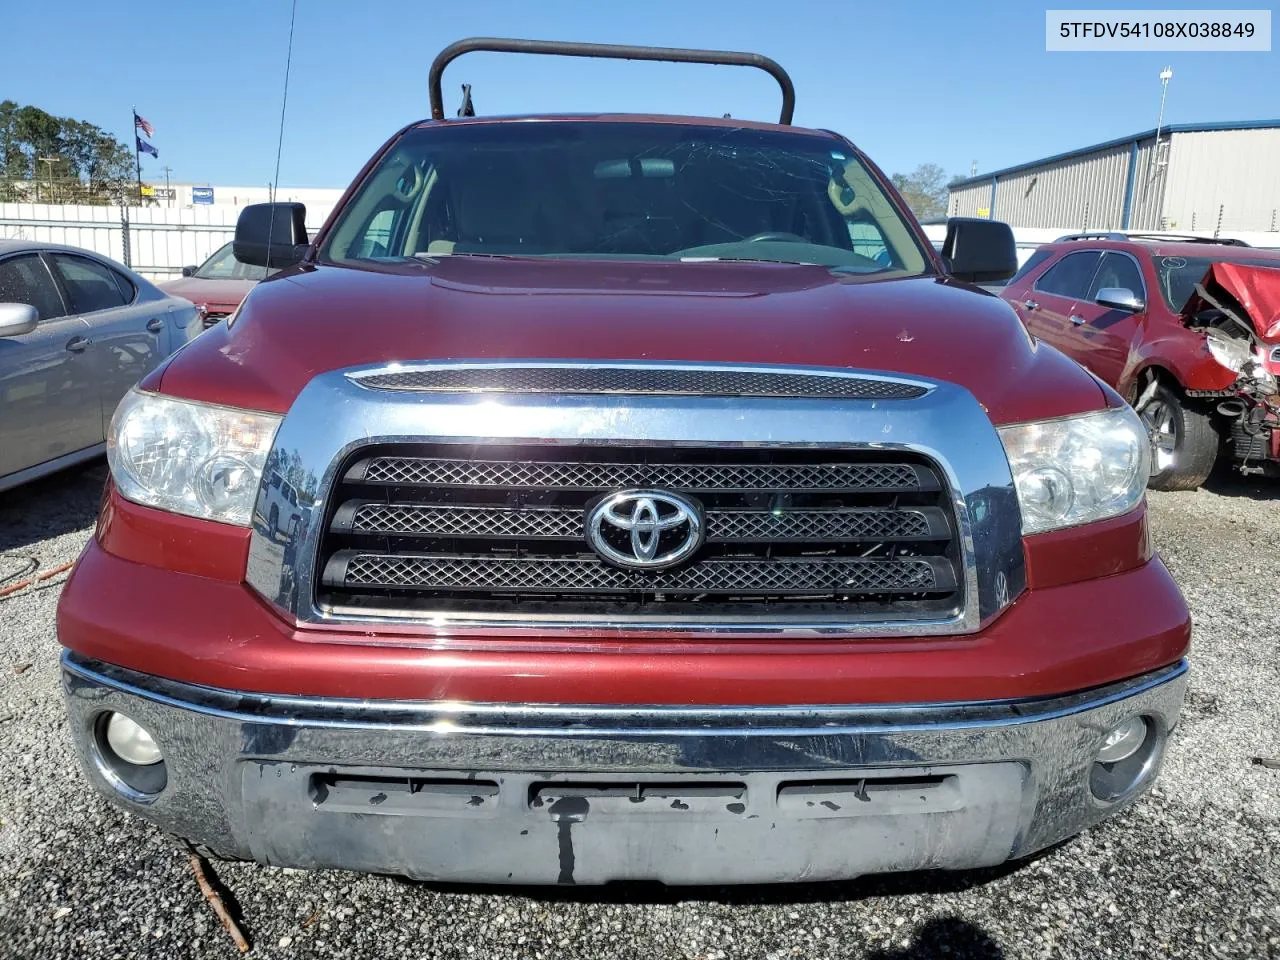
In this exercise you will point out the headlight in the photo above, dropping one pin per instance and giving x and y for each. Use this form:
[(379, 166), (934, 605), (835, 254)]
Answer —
[(192, 458), (1079, 469), (1232, 354)]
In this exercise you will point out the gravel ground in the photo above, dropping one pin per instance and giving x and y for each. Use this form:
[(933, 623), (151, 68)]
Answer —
[(1189, 872)]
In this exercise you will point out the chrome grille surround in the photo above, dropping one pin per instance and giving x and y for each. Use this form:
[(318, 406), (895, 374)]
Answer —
[(334, 416)]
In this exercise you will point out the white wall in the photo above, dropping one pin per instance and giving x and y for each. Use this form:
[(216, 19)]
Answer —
[(319, 200), (1234, 174), (162, 240)]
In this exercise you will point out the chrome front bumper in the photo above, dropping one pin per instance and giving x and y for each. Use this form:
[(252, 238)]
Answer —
[(566, 794)]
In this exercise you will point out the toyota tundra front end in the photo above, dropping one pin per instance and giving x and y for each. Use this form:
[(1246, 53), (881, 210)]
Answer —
[(606, 498)]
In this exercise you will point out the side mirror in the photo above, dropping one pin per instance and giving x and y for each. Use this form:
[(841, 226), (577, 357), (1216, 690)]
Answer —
[(271, 234), (1120, 298), (979, 251), (17, 319), (188, 271)]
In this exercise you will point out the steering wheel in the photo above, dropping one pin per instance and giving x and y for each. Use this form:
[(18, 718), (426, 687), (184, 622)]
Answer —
[(775, 235)]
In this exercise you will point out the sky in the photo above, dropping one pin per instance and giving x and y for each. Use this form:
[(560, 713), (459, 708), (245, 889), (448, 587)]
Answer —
[(949, 83)]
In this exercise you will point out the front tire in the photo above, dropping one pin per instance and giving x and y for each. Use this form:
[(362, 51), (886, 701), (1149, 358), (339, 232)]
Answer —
[(1184, 441)]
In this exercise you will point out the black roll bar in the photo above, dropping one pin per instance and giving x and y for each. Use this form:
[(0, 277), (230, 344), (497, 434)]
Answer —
[(609, 51)]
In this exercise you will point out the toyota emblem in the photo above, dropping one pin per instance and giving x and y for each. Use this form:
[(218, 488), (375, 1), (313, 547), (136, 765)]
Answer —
[(645, 529)]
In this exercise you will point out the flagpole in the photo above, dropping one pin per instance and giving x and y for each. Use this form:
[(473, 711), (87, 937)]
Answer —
[(137, 154)]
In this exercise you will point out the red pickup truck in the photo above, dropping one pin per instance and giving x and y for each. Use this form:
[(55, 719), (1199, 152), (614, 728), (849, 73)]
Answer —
[(661, 506)]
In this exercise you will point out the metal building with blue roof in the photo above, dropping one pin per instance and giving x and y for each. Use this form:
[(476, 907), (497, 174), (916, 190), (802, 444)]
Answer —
[(1197, 177)]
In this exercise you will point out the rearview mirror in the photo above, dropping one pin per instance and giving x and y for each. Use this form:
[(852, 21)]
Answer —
[(271, 234), (17, 319), (188, 271), (1120, 298), (979, 251)]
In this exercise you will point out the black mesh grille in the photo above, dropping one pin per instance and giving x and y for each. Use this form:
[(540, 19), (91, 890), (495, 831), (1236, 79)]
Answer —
[(410, 518), (644, 380), (438, 529), (539, 475), (584, 575), (827, 526), (819, 526)]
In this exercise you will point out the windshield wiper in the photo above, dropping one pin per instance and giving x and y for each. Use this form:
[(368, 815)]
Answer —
[(422, 255), (798, 263)]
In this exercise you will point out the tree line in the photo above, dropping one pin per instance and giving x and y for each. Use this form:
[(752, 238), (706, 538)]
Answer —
[(50, 159), (925, 189), (62, 160)]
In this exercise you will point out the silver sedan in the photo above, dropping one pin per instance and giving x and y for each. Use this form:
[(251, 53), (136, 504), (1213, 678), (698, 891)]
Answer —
[(77, 330)]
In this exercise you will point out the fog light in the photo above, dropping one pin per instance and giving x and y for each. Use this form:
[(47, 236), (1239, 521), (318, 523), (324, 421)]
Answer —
[(130, 742), (1127, 758), (1123, 741)]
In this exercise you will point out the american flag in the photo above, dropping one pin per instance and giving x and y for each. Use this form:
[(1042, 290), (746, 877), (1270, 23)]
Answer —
[(143, 124)]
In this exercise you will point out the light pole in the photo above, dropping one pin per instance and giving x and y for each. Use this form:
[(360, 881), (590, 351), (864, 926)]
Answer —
[(49, 161), (1165, 76), (168, 194)]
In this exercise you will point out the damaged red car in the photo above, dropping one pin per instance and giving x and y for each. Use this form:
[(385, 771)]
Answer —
[(1187, 329)]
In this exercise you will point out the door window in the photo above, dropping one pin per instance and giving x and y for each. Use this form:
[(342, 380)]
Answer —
[(1032, 264), (1117, 270), (127, 289), (1070, 276), (24, 279), (90, 285)]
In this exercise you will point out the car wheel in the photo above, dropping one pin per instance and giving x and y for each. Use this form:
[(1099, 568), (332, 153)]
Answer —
[(1184, 441)]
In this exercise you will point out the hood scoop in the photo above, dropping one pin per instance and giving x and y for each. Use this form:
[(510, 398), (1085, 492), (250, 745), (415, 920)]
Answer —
[(708, 380)]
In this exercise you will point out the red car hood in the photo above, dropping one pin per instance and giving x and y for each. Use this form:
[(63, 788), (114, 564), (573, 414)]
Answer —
[(1255, 290), (212, 293), (308, 321)]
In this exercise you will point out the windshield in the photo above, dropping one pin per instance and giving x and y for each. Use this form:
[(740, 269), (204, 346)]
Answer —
[(1179, 275), (223, 265), (626, 190)]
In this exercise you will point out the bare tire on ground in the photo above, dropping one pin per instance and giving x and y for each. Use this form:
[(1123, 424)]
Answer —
[(1184, 441)]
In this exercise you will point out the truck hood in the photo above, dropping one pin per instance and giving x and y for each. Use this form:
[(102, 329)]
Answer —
[(1252, 292), (318, 318)]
